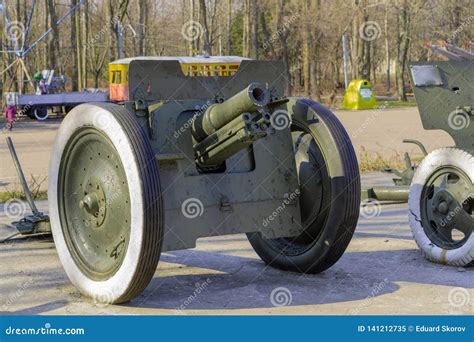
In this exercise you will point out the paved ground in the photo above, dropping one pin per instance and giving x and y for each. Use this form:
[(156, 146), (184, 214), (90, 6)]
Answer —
[(376, 131), (382, 271)]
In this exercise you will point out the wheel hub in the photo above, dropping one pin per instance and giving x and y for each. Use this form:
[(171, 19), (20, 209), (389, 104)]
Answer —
[(446, 210), (94, 203)]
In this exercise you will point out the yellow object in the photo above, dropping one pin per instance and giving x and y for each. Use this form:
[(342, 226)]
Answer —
[(190, 66), (359, 95)]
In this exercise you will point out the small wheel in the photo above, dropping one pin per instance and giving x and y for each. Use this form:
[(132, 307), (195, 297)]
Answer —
[(105, 202), (40, 113), (329, 194), (441, 206)]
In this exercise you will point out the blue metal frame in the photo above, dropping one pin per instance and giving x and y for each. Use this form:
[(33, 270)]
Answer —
[(24, 50)]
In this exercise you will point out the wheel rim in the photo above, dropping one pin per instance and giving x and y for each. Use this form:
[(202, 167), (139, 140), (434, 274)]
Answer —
[(314, 195), (94, 203), (447, 208), (41, 113)]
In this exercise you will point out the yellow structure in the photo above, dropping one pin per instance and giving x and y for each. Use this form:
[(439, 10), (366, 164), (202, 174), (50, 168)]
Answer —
[(359, 95), (190, 66)]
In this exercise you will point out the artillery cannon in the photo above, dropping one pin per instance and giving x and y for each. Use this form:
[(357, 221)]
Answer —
[(441, 197), (185, 156)]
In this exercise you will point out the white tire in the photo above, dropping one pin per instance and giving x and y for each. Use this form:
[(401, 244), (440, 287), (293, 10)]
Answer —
[(442, 158), (141, 254)]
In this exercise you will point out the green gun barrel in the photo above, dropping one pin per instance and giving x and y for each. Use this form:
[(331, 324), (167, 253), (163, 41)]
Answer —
[(218, 115)]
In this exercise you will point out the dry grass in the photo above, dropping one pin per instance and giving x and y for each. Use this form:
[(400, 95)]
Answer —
[(369, 161), (16, 191)]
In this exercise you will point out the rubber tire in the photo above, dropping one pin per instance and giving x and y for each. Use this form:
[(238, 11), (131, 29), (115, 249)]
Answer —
[(345, 196), (461, 159), (40, 113), (141, 169)]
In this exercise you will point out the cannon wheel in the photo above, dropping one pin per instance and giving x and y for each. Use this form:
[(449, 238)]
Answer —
[(441, 206), (105, 202), (330, 194)]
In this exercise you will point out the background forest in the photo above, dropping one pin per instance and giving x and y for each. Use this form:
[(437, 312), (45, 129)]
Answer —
[(382, 37)]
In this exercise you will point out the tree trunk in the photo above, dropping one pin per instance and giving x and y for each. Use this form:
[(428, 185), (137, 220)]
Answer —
[(75, 75), (142, 23), (254, 29), (203, 17), (54, 42), (229, 28)]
